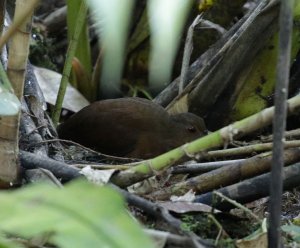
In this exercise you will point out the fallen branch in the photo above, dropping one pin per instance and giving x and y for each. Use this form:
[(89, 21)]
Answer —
[(226, 175), (246, 150), (159, 212), (199, 168), (61, 170), (292, 134), (252, 189)]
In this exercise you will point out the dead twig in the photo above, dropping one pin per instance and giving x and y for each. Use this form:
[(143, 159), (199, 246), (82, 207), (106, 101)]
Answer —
[(279, 121)]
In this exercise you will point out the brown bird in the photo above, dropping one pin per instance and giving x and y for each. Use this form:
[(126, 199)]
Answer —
[(131, 127)]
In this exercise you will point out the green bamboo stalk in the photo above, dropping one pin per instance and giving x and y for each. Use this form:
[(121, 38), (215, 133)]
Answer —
[(68, 63), (147, 168)]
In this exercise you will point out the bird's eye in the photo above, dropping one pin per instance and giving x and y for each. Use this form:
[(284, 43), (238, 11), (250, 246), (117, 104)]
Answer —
[(192, 129)]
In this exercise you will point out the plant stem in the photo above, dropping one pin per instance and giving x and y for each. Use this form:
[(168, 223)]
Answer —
[(68, 63)]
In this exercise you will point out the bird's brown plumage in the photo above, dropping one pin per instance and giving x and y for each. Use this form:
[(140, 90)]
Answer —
[(130, 127)]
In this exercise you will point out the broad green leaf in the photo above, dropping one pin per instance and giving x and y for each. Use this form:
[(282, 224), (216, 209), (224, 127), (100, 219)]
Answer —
[(80, 215), (9, 103)]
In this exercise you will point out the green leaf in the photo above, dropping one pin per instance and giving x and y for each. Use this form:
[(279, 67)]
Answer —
[(83, 51), (9, 103), (166, 20), (81, 215), (112, 22)]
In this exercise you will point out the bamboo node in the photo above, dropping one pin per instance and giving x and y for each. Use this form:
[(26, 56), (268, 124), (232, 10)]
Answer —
[(184, 149)]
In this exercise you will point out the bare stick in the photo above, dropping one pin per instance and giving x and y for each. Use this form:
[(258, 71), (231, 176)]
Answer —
[(279, 121), (188, 48), (238, 205), (245, 150)]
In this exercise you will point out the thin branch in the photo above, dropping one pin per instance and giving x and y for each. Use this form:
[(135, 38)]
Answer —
[(279, 121), (59, 169), (244, 150), (188, 48), (198, 168), (159, 212), (238, 205)]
